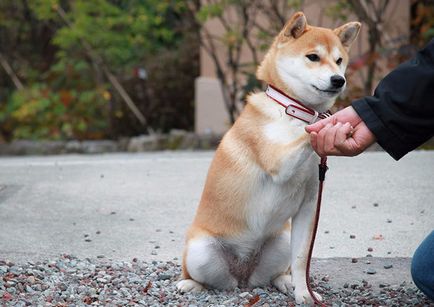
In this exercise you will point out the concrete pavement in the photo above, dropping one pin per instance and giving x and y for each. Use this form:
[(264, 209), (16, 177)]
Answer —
[(139, 205), (51, 205)]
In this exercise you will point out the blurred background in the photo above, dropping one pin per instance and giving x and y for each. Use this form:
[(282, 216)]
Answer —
[(107, 69)]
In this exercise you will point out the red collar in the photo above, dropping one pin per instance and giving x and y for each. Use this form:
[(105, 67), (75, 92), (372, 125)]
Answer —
[(295, 108)]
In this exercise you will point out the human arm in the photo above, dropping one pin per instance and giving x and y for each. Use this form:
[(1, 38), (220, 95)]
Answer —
[(342, 134), (400, 114)]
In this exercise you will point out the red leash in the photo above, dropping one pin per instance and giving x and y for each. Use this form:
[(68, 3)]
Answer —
[(296, 109), (322, 171)]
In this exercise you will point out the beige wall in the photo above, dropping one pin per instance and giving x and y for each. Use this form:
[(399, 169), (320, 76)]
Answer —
[(211, 115)]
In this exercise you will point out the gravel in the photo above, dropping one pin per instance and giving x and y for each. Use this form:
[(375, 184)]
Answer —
[(68, 281)]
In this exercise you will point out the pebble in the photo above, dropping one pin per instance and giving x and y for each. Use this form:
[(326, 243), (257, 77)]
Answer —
[(71, 281), (371, 271), (154, 253), (388, 266), (352, 236), (354, 260), (375, 204), (370, 249), (29, 289), (164, 277), (31, 280)]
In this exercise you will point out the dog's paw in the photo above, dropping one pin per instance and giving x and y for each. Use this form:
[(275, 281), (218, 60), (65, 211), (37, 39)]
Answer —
[(304, 297), (189, 285), (283, 283)]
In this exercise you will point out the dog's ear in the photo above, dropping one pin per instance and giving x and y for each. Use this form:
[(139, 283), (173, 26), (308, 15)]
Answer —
[(295, 26), (348, 33)]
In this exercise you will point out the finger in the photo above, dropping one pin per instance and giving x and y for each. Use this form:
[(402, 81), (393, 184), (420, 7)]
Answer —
[(320, 124), (321, 138), (343, 134), (329, 139), (350, 146), (313, 141)]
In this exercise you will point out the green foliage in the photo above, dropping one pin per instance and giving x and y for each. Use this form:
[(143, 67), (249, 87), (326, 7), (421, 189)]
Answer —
[(340, 10), (211, 10), (58, 49), (119, 33), (41, 113)]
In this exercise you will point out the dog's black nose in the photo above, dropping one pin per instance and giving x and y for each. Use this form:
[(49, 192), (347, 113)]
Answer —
[(337, 81)]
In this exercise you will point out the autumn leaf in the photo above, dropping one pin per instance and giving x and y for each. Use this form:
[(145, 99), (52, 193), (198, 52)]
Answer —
[(253, 300), (148, 286)]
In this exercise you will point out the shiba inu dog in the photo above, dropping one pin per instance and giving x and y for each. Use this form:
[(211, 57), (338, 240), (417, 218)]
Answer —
[(254, 222)]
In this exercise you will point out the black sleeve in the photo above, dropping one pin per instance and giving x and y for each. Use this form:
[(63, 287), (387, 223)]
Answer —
[(401, 112)]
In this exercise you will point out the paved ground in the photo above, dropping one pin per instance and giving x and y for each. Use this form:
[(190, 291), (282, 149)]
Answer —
[(139, 205)]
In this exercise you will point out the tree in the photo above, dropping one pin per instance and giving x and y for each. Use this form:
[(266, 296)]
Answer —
[(245, 25), (75, 57), (372, 14)]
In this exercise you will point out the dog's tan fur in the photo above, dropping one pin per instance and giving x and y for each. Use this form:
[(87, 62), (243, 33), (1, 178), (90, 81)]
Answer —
[(263, 176)]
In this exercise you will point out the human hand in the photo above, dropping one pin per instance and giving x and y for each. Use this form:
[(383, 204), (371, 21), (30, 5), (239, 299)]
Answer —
[(342, 134)]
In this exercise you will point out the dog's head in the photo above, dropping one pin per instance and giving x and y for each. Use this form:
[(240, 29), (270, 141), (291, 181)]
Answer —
[(309, 62)]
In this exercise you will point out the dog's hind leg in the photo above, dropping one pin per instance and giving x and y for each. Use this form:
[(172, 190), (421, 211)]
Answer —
[(206, 265), (274, 263)]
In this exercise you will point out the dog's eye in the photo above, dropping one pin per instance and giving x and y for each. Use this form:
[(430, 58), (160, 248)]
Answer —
[(339, 61), (313, 57)]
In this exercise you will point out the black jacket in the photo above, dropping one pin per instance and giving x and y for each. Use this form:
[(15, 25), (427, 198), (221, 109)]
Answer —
[(401, 112)]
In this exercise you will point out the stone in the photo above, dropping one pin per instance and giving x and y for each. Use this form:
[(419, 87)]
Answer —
[(143, 143), (164, 277), (244, 294), (371, 271)]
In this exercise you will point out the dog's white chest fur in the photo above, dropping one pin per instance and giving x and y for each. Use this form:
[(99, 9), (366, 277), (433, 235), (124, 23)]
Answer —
[(274, 200)]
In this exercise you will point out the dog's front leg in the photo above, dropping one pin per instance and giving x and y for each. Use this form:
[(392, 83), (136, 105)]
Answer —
[(301, 236), (286, 160)]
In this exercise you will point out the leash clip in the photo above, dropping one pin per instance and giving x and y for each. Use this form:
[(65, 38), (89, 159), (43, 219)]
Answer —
[(322, 169), (314, 118)]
